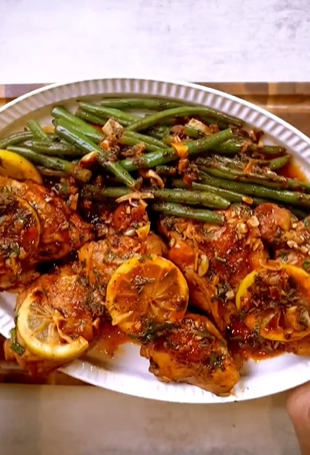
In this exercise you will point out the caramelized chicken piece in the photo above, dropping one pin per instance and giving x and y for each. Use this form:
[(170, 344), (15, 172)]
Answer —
[(215, 259), (288, 237), (274, 221), (194, 352), (131, 217), (59, 313), (99, 260), (20, 234), (37, 226)]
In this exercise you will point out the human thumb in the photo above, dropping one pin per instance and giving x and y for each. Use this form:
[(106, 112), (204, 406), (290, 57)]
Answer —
[(298, 406)]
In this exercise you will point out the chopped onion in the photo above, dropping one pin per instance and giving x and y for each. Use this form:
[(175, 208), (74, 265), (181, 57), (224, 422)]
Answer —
[(112, 128), (89, 159), (135, 195), (198, 125), (155, 177)]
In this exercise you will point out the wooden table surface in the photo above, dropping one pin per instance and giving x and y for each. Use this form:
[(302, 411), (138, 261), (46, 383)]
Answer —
[(290, 101)]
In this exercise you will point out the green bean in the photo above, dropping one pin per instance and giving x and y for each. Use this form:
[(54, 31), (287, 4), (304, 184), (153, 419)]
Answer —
[(195, 133), (183, 211), (54, 149), (241, 161), (51, 172), (59, 113), (101, 111), (284, 196), (270, 180), (132, 140), (202, 198), (278, 163), (146, 139), (150, 160), (53, 163), (236, 145), (91, 118), (300, 214), (268, 149), (169, 140), (151, 120), (170, 195), (94, 136), (231, 196), (192, 132), (216, 161), (37, 131), (166, 170), (159, 132), (154, 104), (65, 130), (15, 138)]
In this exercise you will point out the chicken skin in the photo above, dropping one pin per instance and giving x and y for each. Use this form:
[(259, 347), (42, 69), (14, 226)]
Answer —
[(193, 352), (36, 226), (215, 259), (61, 312)]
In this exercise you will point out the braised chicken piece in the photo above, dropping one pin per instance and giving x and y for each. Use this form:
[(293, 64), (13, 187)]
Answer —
[(214, 259), (35, 226), (58, 315), (56, 321), (141, 290), (288, 238), (193, 352), (129, 235), (274, 222)]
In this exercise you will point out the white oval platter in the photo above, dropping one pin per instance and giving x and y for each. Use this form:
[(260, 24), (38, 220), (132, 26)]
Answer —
[(127, 372)]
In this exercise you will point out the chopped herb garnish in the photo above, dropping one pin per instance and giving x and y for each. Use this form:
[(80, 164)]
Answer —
[(215, 361), (64, 189), (144, 258), (96, 274), (306, 265), (307, 222), (16, 347), (15, 249)]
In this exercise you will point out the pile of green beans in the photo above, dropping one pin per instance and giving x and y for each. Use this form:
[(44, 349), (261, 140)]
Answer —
[(226, 166)]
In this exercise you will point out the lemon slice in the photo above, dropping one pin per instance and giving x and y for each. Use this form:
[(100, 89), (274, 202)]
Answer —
[(275, 302), (39, 326), (19, 168), (145, 294)]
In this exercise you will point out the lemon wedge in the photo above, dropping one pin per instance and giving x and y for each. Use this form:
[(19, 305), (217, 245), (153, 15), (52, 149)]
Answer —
[(145, 294), (39, 326), (15, 166)]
